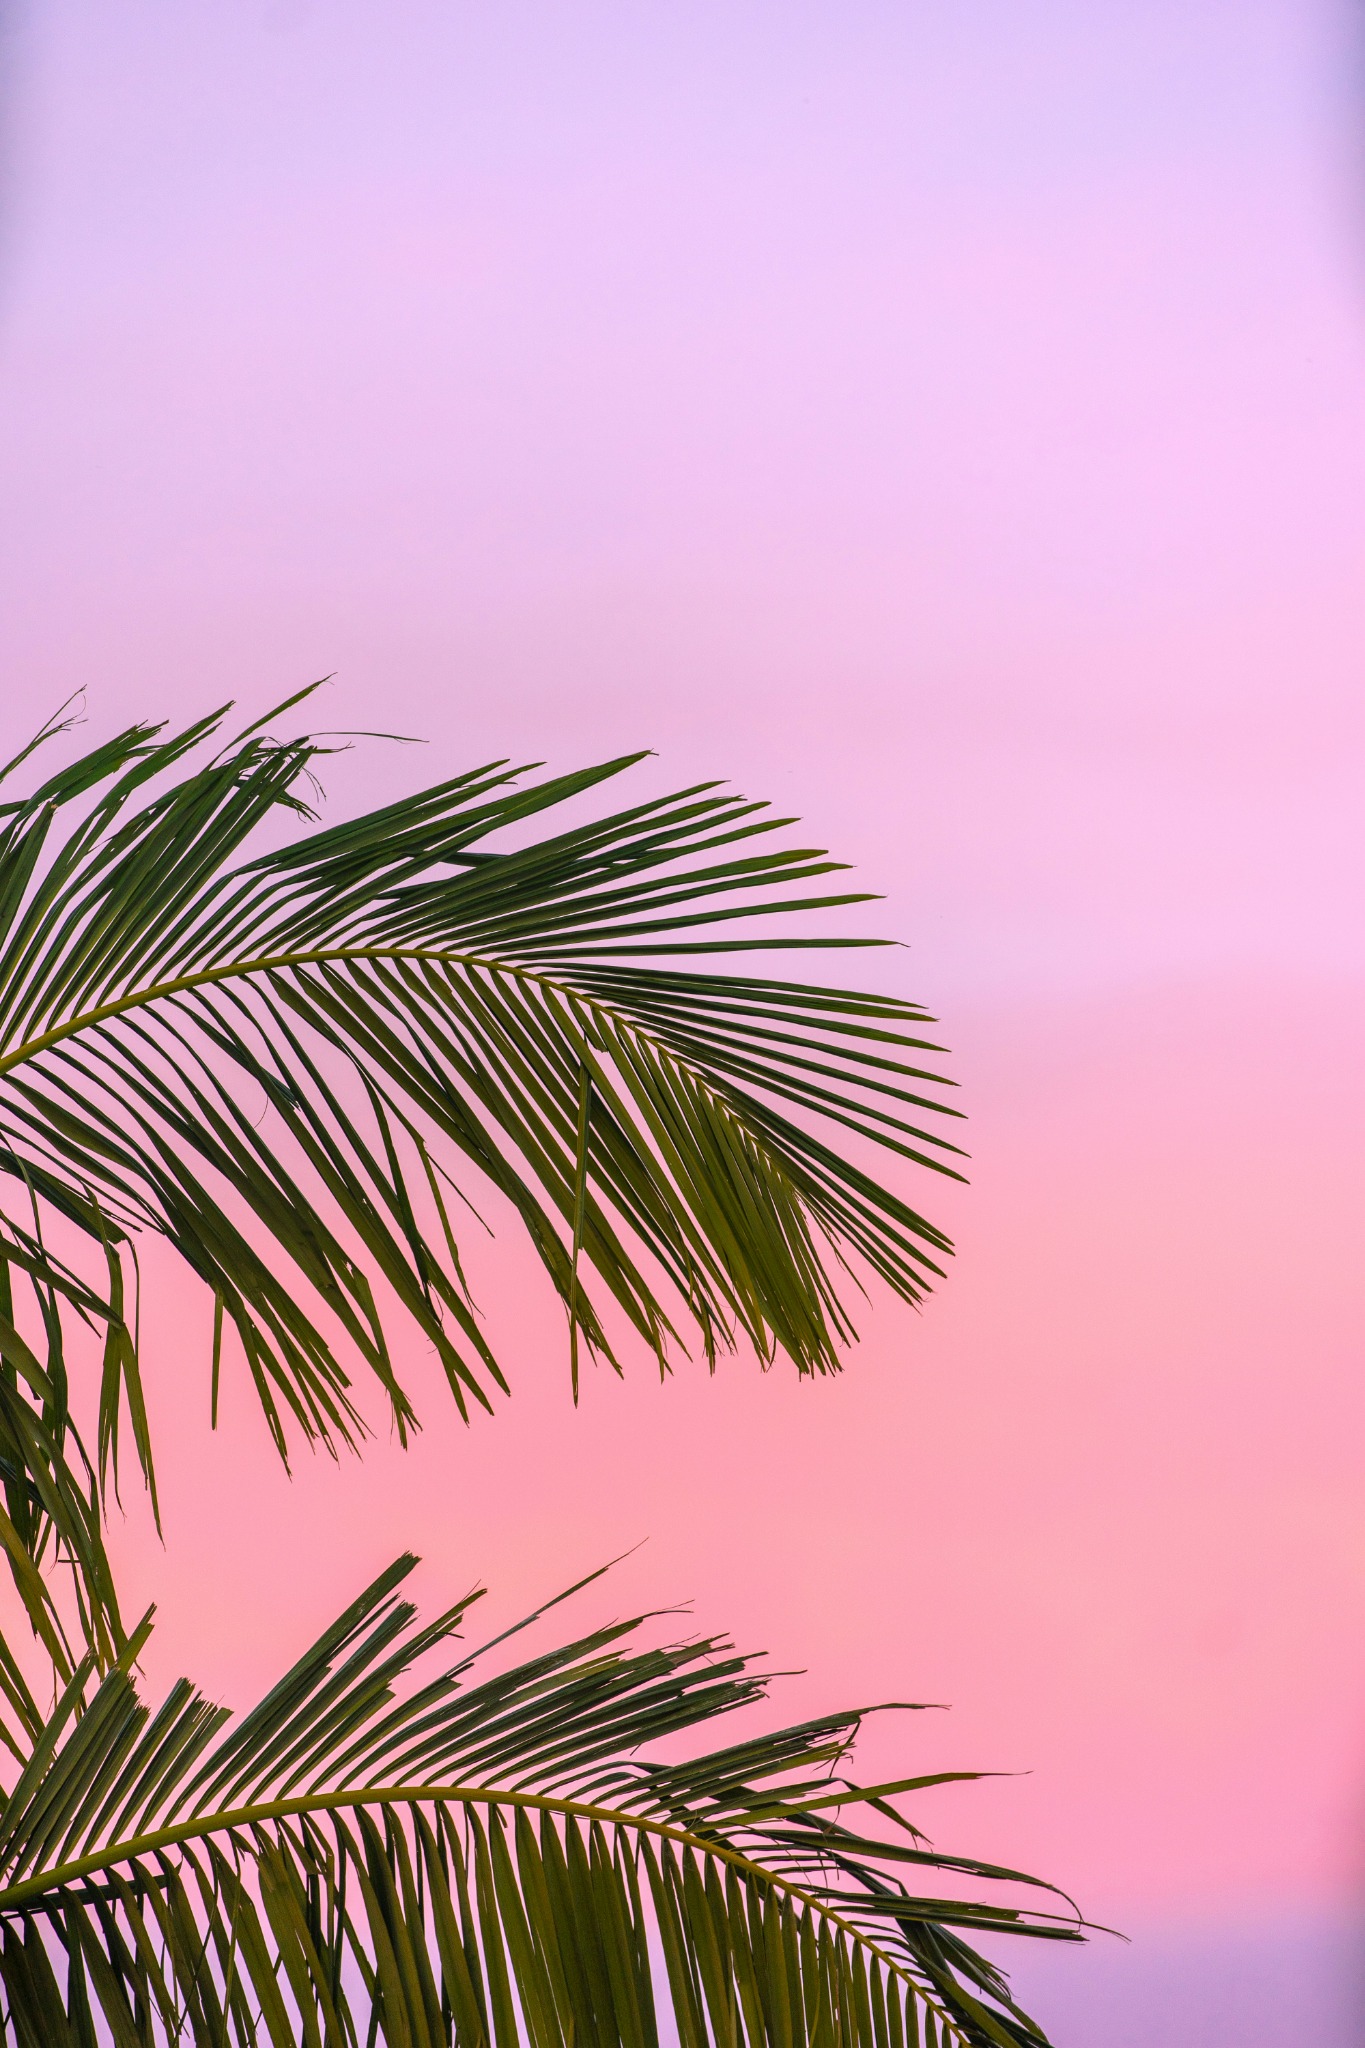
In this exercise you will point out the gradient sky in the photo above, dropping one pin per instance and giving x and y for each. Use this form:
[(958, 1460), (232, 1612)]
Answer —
[(949, 420)]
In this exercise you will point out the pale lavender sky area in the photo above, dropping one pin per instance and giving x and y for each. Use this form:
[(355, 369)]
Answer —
[(949, 420)]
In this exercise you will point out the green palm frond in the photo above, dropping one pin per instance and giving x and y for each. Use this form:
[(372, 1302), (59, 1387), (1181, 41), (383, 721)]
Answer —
[(373, 1854), (298, 1065)]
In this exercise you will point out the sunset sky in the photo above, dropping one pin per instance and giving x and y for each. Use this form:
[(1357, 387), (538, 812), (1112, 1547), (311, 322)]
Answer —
[(949, 421)]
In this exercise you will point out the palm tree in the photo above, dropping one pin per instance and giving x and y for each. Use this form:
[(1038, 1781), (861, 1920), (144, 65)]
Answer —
[(299, 1065)]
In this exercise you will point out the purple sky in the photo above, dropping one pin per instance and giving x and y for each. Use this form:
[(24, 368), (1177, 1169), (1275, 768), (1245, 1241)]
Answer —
[(948, 420)]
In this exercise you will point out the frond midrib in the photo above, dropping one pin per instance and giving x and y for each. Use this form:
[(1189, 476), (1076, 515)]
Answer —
[(14, 1897), (265, 963), (274, 963)]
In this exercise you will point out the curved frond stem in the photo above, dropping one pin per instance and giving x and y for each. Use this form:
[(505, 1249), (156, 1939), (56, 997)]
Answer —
[(323, 956), (202, 1826)]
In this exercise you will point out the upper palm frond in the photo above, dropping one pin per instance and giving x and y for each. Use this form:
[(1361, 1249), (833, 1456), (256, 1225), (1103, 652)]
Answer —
[(286, 1061), (477, 1860)]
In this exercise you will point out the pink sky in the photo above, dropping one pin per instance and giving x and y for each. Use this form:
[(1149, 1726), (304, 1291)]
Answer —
[(948, 420)]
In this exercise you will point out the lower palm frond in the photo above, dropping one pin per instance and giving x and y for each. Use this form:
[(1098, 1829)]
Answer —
[(302, 1066), (477, 1861)]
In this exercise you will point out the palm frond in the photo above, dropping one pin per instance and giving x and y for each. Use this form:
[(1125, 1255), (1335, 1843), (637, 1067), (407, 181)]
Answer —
[(373, 1854), (298, 1065)]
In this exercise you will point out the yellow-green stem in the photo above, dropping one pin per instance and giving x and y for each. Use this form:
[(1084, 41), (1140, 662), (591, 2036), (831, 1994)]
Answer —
[(31, 1888)]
